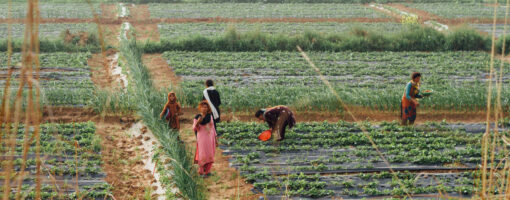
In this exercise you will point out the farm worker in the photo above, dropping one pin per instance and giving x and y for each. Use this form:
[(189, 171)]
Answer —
[(213, 99), (278, 118), (203, 125), (409, 100), (171, 111)]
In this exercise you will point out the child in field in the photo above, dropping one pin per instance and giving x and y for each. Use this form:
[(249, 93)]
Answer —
[(171, 111)]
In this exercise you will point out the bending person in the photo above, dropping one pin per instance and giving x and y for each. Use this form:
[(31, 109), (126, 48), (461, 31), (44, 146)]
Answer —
[(278, 118)]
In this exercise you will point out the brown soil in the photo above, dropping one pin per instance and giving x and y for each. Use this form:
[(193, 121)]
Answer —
[(492, 4), (225, 182), (422, 15), (162, 75), (111, 33), (143, 31), (122, 162), (139, 12), (362, 114), (100, 71), (70, 114), (109, 11)]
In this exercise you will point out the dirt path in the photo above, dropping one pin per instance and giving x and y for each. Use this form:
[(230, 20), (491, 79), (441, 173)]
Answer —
[(225, 182), (143, 31), (162, 75), (393, 15), (422, 15), (123, 161)]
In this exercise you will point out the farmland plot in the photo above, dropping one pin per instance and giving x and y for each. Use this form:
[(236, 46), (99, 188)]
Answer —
[(64, 165), (249, 10), (487, 28), (215, 29), (260, 79), (47, 31), (51, 10), (302, 164), (64, 77), (459, 10)]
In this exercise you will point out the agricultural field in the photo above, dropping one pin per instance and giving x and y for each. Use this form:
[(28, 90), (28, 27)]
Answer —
[(64, 78), (65, 165), (460, 10), (52, 10), (101, 135), (48, 31), (216, 29), (487, 28), (302, 165), (459, 78), (239, 10)]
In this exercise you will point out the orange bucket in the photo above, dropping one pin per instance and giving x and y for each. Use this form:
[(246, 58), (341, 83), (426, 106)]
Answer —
[(266, 135)]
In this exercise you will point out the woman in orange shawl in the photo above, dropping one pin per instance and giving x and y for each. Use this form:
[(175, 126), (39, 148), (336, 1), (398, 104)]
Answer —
[(203, 125), (171, 111), (409, 102)]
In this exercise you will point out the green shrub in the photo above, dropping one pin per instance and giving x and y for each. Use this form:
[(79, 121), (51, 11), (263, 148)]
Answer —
[(464, 38)]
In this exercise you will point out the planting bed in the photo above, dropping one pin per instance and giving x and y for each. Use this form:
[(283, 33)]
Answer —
[(47, 31), (64, 77), (311, 152), (51, 10), (459, 10), (458, 78), (252, 10), (64, 164), (216, 29), (487, 28)]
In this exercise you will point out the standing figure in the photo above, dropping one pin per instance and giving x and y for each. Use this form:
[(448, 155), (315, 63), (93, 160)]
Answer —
[(277, 118), (213, 99), (203, 125), (171, 111), (409, 100)]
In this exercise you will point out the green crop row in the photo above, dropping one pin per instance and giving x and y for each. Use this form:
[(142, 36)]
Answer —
[(61, 158), (149, 101), (241, 10), (47, 30), (64, 78), (51, 10), (453, 10), (175, 31), (326, 147), (410, 38), (248, 80)]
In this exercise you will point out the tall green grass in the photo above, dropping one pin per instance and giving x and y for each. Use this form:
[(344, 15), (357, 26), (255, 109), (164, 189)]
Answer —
[(318, 98), (412, 38), (149, 102)]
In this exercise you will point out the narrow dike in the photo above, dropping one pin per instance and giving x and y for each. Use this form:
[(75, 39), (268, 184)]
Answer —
[(183, 175)]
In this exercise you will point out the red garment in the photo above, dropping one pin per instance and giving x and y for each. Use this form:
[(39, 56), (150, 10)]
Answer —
[(173, 115), (408, 107), (206, 145)]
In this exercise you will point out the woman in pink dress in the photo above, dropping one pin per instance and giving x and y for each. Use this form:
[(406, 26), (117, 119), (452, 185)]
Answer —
[(203, 125)]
